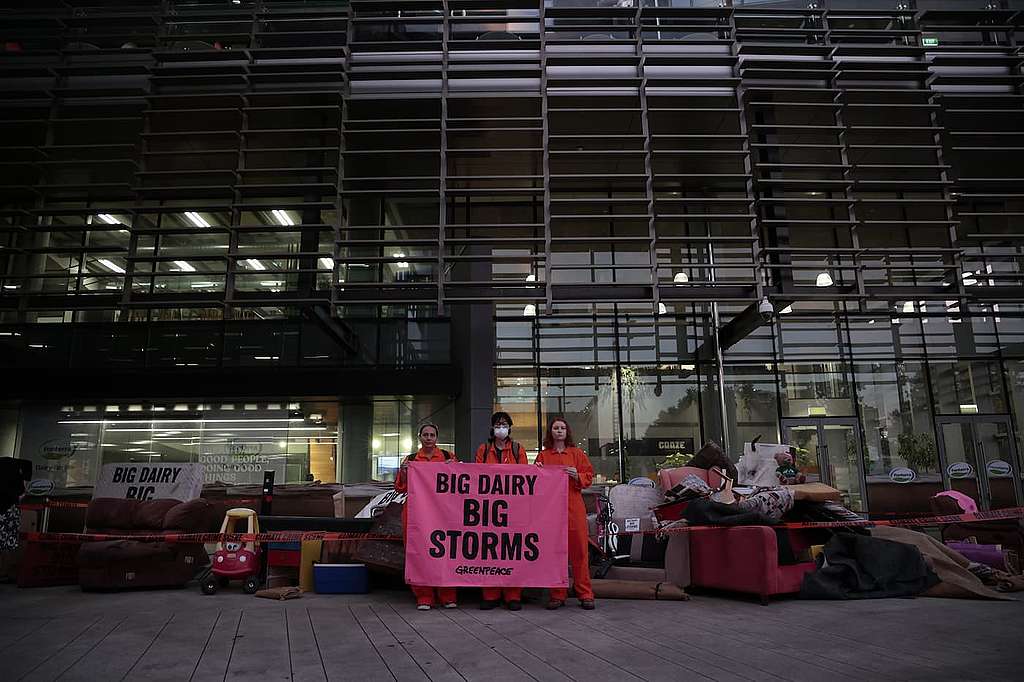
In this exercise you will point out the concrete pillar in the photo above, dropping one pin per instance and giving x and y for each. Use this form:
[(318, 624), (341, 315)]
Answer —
[(356, 423), (473, 353)]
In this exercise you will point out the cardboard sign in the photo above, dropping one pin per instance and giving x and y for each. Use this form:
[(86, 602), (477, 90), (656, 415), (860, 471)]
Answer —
[(136, 481), (486, 525)]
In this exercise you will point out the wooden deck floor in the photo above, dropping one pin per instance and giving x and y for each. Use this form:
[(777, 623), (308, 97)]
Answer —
[(61, 633)]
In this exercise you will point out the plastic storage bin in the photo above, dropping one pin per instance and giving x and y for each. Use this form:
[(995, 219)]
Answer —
[(340, 579)]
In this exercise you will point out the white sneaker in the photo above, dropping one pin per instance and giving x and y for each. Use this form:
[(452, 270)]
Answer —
[(451, 605), (423, 607)]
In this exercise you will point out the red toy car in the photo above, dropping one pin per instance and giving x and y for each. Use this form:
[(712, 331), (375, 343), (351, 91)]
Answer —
[(236, 560)]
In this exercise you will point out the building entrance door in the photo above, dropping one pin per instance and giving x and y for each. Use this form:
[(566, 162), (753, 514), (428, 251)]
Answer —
[(829, 451), (980, 459)]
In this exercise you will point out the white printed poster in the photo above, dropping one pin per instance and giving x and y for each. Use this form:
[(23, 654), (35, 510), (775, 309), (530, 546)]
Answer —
[(135, 481)]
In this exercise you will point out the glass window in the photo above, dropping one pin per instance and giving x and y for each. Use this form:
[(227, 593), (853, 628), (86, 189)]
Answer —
[(899, 434), (752, 404), (660, 414), (968, 387), (586, 397), (816, 389)]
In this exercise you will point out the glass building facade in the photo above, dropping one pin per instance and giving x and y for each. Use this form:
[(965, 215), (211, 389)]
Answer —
[(669, 220)]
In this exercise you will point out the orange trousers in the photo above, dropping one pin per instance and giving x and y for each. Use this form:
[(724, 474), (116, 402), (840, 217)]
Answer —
[(579, 557), (509, 593)]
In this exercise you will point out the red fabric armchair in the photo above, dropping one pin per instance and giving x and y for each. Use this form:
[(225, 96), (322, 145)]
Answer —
[(742, 558)]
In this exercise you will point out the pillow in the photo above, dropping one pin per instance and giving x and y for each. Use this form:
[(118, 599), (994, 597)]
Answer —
[(149, 514), (193, 516), (111, 513)]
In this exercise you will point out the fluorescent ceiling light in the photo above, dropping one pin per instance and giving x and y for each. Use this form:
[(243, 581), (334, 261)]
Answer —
[(196, 219), (254, 428), (282, 217), (266, 357), (108, 219), (184, 266), (272, 283), (327, 263), (787, 310), (823, 280), (389, 435), (12, 286), (255, 264), (969, 407), (111, 265), (203, 285), (908, 307), (969, 279)]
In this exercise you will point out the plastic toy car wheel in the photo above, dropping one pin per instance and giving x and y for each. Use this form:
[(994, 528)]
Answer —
[(251, 585), (210, 586)]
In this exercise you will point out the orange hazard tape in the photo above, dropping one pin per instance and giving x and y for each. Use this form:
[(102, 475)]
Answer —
[(297, 536), (68, 504)]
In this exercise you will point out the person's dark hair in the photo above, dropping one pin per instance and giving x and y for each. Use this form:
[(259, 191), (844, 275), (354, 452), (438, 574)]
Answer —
[(431, 425), (501, 415), (549, 440)]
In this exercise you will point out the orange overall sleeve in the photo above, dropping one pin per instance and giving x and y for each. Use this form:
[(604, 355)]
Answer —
[(481, 453), (584, 468), (402, 481)]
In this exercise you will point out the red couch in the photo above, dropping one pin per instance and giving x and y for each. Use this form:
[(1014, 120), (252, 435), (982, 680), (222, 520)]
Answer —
[(742, 558)]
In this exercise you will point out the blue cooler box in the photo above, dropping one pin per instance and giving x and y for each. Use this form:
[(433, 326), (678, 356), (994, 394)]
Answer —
[(340, 579)]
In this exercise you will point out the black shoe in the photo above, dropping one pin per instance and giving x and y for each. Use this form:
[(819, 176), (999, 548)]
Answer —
[(515, 606), (555, 604), (487, 605), (587, 604)]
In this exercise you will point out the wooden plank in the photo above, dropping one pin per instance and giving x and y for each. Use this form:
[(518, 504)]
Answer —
[(119, 650), (62, 632), (213, 662), (429, 659), (522, 658), (399, 662), (693, 664), (571, 660), (68, 656), (746, 650), (607, 648), (676, 637), (261, 647), (346, 651), (303, 652), (469, 656), (175, 653), (14, 630)]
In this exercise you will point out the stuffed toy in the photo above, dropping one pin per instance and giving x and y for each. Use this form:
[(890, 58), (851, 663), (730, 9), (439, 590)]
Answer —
[(787, 472)]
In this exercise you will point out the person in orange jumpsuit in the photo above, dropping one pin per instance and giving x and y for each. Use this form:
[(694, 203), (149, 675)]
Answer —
[(426, 597), (560, 450), (500, 449)]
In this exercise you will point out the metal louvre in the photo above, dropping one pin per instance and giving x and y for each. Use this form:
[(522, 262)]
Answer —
[(555, 156)]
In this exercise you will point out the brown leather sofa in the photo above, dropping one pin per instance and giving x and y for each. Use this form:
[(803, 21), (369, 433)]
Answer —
[(119, 564)]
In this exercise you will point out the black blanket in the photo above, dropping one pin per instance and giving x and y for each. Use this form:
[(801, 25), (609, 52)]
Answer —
[(854, 566)]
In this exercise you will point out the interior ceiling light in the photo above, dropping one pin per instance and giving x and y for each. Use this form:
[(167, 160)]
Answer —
[(282, 217), (327, 263), (203, 285), (111, 265), (272, 283), (681, 278), (969, 279), (787, 310), (255, 264), (196, 219), (531, 278), (908, 307), (184, 266), (530, 310), (824, 279), (108, 219), (662, 310)]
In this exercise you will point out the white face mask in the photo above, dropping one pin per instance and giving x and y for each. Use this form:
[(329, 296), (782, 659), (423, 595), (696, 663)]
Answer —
[(501, 432)]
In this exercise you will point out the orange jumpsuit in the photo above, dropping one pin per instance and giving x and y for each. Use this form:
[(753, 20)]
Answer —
[(486, 454), (579, 553), (424, 594)]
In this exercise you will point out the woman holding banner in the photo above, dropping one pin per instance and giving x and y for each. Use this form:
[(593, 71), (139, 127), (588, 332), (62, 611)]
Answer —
[(560, 450), (501, 449), (428, 452)]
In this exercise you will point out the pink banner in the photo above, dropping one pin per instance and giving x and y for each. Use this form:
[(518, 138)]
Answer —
[(488, 525)]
